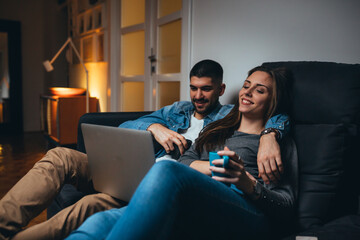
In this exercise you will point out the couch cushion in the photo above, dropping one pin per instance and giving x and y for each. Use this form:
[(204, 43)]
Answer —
[(324, 92), (326, 119), (327, 187)]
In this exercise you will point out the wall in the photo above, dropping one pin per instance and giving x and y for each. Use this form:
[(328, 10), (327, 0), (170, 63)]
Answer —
[(241, 34), (43, 30), (55, 35)]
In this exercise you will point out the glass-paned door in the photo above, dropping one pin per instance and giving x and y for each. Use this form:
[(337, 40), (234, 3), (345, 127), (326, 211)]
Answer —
[(132, 54), (150, 53), (168, 43)]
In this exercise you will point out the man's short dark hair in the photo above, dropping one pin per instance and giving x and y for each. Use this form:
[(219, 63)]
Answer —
[(208, 68)]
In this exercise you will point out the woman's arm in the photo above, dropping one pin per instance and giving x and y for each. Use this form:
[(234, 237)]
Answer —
[(274, 199), (195, 160), (279, 199), (201, 166)]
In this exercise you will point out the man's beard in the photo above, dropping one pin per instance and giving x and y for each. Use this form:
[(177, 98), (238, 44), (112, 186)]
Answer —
[(208, 109)]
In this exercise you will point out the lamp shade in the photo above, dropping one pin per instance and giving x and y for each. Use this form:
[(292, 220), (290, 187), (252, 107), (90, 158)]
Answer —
[(48, 66), (67, 92)]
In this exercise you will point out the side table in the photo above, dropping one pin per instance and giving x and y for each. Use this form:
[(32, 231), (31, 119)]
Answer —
[(60, 117)]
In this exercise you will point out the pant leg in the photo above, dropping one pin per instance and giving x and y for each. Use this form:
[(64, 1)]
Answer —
[(35, 191), (69, 219), (98, 225), (175, 201)]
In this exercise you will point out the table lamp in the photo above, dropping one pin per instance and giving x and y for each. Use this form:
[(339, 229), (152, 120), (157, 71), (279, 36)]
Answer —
[(49, 67)]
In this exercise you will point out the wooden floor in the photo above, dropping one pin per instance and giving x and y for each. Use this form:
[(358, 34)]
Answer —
[(18, 153)]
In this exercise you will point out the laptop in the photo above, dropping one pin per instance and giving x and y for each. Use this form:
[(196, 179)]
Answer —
[(118, 158)]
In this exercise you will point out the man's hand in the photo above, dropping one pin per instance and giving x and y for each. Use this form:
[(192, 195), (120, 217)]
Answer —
[(167, 138), (269, 159)]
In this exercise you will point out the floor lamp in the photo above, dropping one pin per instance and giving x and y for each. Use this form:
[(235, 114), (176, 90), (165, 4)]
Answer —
[(49, 67)]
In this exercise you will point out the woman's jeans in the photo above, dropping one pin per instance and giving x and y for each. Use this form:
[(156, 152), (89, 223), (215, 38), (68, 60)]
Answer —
[(98, 225), (174, 201)]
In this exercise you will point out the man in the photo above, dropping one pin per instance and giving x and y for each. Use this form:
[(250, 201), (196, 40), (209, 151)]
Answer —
[(173, 124), (170, 126)]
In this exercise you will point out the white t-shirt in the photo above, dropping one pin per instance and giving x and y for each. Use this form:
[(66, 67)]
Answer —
[(191, 133)]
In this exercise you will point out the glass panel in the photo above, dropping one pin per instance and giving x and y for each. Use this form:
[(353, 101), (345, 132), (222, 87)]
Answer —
[(132, 12), (98, 18), (71, 26), (133, 53), (89, 21), (170, 47), (87, 49), (81, 24), (132, 96), (169, 92), (4, 79), (168, 6), (101, 47)]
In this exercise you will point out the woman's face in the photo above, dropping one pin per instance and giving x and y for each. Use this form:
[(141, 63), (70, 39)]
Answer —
[(255, 95)]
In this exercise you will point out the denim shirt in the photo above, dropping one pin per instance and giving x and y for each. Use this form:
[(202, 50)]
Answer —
[(280, 122), (177, 117)]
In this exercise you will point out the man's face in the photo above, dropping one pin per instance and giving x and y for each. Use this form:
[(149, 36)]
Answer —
[(204, 95)]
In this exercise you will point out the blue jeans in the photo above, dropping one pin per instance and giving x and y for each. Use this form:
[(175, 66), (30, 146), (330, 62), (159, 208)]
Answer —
[(176, 202), (98, 225)]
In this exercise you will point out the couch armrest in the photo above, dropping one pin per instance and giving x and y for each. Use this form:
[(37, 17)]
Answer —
[(104, 118)]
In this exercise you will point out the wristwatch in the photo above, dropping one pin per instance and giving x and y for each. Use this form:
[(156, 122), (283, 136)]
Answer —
[(257, 191), (270, 130)]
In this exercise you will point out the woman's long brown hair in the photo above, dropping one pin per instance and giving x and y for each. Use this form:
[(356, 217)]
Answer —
[(216, 133)]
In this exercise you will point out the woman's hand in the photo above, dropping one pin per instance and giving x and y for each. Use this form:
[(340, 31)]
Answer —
[(236, 172)]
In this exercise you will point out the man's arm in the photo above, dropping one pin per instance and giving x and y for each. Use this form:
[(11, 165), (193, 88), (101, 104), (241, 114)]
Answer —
[(269, 156), (157, 124)]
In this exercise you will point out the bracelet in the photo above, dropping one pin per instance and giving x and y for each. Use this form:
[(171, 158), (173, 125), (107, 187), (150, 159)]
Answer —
[(257, 190), (270, 130)]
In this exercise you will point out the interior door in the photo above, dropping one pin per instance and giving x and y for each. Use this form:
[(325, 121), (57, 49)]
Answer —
[(11, 120), (150, 53), (168, 52)]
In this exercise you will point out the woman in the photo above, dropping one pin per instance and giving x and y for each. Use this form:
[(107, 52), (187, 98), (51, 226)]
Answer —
[(177, 202)]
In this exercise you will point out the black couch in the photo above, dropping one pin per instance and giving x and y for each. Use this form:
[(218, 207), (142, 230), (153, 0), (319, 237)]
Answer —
[(326, 127)]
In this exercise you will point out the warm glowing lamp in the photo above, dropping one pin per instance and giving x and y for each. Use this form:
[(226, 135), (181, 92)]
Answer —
[(48, 66)]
